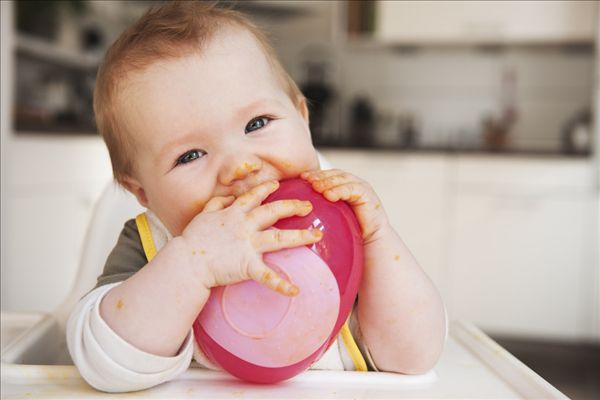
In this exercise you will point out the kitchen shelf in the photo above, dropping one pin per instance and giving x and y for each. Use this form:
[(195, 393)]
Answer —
[(39, 49)]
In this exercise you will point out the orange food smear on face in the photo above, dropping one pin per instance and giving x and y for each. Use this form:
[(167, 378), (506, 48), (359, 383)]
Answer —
[(120, 304), (239, 172), (198, 206), (397, 258), (244, 170)]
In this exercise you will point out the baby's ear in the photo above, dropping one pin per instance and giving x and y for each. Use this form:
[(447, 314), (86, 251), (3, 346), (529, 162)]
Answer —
[(302, 108), (135, 188)]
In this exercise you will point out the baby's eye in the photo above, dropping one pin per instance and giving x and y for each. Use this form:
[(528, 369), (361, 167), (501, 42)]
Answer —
[(189, 156), (257, 123)]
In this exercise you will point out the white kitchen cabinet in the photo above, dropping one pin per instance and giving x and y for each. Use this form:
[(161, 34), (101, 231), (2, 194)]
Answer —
[(485, 22), (523, 242)]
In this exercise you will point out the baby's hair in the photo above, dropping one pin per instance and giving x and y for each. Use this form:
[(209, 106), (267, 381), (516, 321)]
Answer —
[(171, 30)]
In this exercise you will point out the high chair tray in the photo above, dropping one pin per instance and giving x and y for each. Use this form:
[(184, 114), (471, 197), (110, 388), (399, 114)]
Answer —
[(472, 366)]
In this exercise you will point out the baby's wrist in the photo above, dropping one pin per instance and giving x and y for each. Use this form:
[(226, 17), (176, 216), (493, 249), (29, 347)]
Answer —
[(187, 259), (383, 231)]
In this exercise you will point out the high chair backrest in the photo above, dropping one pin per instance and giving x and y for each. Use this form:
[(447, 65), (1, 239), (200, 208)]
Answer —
[(114, 207)]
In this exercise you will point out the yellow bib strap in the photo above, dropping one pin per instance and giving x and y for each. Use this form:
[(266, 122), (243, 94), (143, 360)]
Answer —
[(146, 236), (357, 358)]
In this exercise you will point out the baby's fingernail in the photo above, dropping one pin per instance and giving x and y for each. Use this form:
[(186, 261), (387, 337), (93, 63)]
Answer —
[(292, 290), (286, 288), (305, 209)]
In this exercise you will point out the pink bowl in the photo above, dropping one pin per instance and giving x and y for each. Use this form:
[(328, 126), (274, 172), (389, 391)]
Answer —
[(261, 336)]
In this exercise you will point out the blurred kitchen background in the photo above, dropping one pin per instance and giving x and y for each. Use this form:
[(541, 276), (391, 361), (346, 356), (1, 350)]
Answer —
[(473, 120)]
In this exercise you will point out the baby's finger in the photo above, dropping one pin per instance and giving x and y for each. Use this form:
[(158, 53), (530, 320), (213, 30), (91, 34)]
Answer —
[(333, 181), (277, 239), (320, 174), (264, 275), (252, 198), (218, 203), (354, 193), (267, 214)]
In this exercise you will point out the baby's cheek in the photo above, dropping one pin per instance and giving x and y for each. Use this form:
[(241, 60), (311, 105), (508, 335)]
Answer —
[(305, 159), (184, 217), (294, 153)]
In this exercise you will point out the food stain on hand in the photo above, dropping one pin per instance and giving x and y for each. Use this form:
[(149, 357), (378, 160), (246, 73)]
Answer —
[(287, 289), (120, 304), (269, 278)]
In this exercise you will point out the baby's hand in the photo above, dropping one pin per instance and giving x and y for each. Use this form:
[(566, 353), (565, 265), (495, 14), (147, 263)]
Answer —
[(228, 237), (336, 185)]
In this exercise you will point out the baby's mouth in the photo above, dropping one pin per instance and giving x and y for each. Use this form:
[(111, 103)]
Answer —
[(241, 187)]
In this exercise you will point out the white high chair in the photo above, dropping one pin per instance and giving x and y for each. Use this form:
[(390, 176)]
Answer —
[(36, 363)]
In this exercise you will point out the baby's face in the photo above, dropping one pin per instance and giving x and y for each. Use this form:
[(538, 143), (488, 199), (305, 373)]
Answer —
[(211, 124)]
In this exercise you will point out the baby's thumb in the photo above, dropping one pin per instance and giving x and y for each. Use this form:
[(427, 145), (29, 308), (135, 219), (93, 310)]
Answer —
[(264, 275)]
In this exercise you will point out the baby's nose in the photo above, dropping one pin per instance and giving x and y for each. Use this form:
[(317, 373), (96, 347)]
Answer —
[(239, 170)]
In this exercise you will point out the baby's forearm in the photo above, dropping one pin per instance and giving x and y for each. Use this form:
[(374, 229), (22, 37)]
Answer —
[(155, 308), (400, 311)]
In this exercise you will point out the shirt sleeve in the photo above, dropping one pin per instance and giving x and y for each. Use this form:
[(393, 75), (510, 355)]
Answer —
[(126, 258), (109, 363)]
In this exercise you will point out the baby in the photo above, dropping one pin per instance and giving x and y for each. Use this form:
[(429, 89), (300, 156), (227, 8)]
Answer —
[(201, 122)]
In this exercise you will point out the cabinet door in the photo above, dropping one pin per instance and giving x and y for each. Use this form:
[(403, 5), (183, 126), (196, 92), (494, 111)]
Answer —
[(524, 264), (485, 21)]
